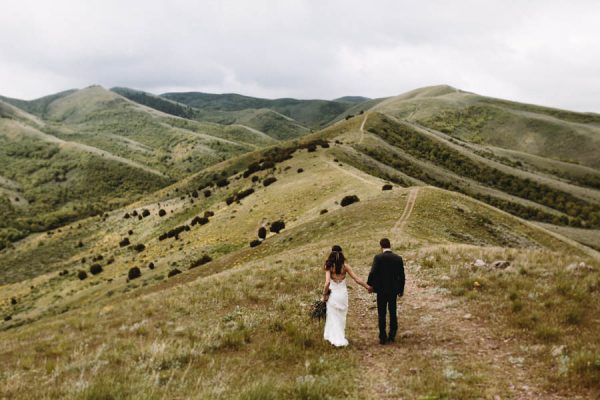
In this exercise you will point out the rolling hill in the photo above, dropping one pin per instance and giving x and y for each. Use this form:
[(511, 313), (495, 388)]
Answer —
[(547, 132), (172, 295), (312, 114), (81, 152)]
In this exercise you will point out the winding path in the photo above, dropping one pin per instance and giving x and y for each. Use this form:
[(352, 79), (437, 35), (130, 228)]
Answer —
[(437, 339)]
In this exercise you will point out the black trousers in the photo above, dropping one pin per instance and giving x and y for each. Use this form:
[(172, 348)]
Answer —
[(387, 302)]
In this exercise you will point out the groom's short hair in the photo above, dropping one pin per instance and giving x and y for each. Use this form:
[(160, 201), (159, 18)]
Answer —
[(385, 243)]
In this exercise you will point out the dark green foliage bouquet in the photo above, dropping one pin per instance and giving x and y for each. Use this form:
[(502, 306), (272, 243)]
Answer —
[(319, 310)]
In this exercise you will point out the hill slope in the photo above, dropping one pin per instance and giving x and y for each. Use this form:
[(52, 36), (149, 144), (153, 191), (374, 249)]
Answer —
[(145, 336), (91, 150), (552, 133), (310, 113)]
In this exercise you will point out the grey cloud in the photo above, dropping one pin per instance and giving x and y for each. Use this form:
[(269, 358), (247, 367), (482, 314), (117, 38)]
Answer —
[(536, 51)]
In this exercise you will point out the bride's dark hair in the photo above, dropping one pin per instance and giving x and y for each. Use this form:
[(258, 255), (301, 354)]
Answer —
[(336, 260)]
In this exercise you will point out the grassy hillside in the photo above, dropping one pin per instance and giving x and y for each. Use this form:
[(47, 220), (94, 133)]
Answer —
[(266, 121), (310, 113), (424, 156), (91, 150), (552, 133), (155, 336)]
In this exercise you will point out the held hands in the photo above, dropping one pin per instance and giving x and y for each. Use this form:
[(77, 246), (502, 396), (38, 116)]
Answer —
[(369, 289)]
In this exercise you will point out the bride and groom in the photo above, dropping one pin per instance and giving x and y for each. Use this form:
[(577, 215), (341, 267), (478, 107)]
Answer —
[(386, 279)]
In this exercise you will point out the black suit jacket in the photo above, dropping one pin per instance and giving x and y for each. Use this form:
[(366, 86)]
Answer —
[(387, 274)]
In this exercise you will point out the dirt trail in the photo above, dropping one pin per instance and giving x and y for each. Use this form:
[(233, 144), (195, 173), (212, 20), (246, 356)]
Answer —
[(362, 128), (436, 338)]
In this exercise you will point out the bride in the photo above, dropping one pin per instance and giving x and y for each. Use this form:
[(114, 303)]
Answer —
[(335, 293)]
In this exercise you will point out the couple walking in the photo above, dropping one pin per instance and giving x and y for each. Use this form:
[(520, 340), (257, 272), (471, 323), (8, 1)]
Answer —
[(386, 279)]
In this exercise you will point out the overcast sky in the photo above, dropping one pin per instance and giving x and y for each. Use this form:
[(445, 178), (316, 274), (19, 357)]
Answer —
[(545, 52)]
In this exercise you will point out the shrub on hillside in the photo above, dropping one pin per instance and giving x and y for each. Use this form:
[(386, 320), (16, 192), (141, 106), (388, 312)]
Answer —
[(126, 216), (262, 233), (201, 261), (255, 243), (173, 272), (139, 247), (255, 178), (95, 269), (244, 193), (151, 265), (269, 180), (130, 232), (81, 275), (300, 170), (199, 221), (207, 193), (162, 213), (145, 213), (208, 214), (194, 194), (323, 211), (387, 186), (222, 182), (124, 242), (311, 148), (347, 200), (134, 273), (13, 301), (277, 226)]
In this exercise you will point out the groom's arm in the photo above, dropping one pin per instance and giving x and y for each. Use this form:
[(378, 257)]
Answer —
[(372, 275), (401, 278)]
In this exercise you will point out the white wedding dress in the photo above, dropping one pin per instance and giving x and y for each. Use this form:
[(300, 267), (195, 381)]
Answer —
[(337, 308)]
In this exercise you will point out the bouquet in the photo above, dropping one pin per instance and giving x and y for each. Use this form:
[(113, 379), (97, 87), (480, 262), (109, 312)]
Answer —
[(319, 310)]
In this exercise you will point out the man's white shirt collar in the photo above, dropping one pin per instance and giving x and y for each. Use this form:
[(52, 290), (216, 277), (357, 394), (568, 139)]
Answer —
[(386, 250)]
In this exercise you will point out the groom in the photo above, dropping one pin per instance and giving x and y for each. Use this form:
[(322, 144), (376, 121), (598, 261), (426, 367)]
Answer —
[(387, 280)]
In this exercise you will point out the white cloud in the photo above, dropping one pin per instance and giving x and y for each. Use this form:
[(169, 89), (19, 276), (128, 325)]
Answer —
[(535, 51)]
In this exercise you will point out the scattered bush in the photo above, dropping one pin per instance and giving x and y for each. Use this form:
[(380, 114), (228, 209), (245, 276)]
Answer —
[(7, 318), (174, 232), (277, 226), (145, 213), (387, 186), (244, 193), (229, 200), (124, 242), (347, 200), (134, 213), (139, 247), (208, 214), (201, 261), (82, 275), (262, 232), (269, 180), (13, 301), (255, 178), (151, 265), (95, 269), (323, 211), (173, 272), (130, 232), (222, 182), (199, 221), (207, 193), (134, 273), (311, 148), (80, 244), (300, 170), (162, 213), (194, 194), (126, 216), (255, 243)]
